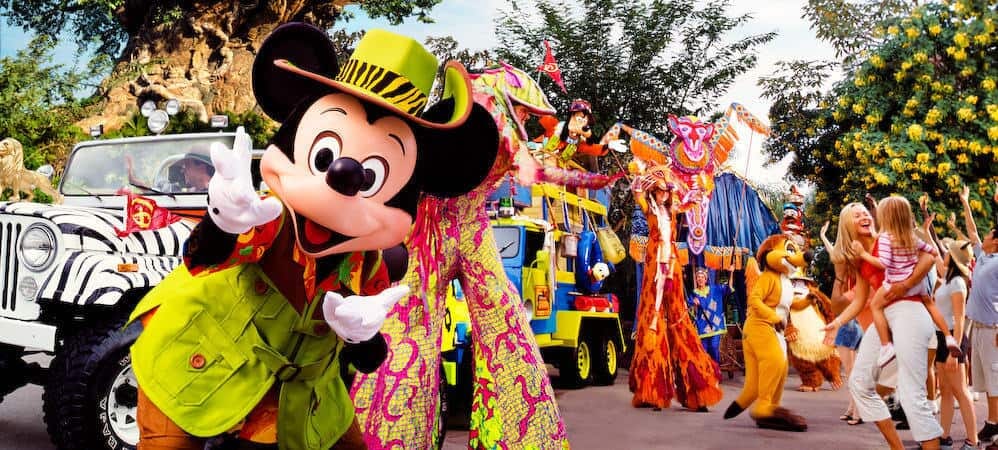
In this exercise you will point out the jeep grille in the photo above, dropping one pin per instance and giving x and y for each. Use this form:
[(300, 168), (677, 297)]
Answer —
[(9, 267)]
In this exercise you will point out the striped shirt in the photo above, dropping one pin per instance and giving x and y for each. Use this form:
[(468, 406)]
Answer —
[(899, 263)]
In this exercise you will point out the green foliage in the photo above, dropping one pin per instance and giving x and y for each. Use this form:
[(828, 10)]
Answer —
[(258, 126), (37, 106), (920, 114), (397, 10), (849, 25)]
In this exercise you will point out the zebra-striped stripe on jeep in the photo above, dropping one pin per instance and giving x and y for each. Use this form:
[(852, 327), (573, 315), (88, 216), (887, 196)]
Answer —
[(86, 269)]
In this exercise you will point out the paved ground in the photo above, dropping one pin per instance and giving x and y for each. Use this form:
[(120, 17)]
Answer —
[(599, 418)]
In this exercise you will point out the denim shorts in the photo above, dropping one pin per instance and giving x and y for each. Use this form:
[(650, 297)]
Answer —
[(849, 335)]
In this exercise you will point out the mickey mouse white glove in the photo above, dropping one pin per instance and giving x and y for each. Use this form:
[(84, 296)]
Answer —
[(233, 203), (358, 318), (618, 145)]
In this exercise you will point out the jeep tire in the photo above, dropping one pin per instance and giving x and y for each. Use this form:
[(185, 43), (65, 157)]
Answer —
[(81, 410)]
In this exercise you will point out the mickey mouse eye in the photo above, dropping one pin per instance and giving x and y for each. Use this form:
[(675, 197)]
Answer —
[(375, 174), (325, 150)]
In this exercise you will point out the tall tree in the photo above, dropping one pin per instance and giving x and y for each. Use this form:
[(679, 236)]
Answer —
[(919, 114), (634, 61), (197, 51), (36, 101)]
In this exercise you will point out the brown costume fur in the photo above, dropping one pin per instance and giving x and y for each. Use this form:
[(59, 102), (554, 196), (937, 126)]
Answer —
[(818, 365)]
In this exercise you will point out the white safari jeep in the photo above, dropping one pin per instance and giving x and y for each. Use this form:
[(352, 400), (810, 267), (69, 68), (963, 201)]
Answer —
[(68, 280)]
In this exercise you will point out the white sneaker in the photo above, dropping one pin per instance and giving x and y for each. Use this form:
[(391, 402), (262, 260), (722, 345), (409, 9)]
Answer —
[(886, 354)]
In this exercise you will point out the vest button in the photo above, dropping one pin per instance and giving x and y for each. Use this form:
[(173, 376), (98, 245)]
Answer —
[(197, 361), (260, 287)]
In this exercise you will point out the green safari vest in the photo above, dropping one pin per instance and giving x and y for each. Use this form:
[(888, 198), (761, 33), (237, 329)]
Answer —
[(219, 342)]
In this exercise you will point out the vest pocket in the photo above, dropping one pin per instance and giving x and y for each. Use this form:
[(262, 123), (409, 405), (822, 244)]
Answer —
[(328, 413), (207, 354)]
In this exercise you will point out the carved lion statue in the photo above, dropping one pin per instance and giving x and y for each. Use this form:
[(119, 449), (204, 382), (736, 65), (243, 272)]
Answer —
[(15, 177)]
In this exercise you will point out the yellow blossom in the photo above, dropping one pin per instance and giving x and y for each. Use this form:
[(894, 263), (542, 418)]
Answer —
[(873, 119), (911, 103), (960, 55), (859, 82), (858, 108), (982, 39), (897, 165), (965, 114), (993, 133), (915, 176), (912, 33), (975, 204), (972, 99), (962, 158), (921, 57), (988, 84), (932, 117), (915, 132), (966, 72), (898, 76), (943, 168), (844, 101), (892, 30), (950, 50), (922, 158), (837, 115), (935, 29), (961, 40), (881, 178), (975, 148), (905, 65), (877, 61)]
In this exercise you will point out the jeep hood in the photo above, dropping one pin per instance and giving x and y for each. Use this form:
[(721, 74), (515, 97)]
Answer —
[(95, 229)]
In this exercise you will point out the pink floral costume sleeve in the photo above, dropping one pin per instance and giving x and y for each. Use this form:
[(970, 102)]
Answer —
[(514, 405)]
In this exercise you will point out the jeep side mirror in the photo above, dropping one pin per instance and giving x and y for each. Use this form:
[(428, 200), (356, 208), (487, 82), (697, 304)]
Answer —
[(46, 171)]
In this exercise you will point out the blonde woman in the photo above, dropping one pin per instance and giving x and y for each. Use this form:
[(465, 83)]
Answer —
[(911, 340)]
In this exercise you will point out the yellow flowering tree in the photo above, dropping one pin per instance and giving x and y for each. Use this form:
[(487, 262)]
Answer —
[(918, 114)]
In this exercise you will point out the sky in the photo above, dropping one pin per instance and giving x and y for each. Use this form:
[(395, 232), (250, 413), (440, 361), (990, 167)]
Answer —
[(470, 22)]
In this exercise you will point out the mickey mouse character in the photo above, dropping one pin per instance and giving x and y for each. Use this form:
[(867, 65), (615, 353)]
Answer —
[(234, 341)]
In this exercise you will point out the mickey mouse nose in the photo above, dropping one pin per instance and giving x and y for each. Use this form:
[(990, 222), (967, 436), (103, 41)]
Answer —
[(345, 176)]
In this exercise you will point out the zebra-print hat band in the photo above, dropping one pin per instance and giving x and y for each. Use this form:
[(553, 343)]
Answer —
[(390, 86)]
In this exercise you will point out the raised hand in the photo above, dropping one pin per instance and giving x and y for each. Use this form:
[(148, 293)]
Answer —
[(358, 318), (965, 194), (233, 202)]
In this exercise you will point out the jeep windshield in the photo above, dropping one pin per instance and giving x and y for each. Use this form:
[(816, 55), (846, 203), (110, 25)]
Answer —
[(173, 165)]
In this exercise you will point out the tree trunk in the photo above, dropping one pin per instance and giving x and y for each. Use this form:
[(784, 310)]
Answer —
[(199, 52)]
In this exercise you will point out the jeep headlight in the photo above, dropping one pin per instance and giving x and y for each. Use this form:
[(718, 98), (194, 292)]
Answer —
[(37, 247)]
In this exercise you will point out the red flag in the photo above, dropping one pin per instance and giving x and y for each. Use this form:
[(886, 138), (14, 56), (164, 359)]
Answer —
[(142, 214), (550, 67)]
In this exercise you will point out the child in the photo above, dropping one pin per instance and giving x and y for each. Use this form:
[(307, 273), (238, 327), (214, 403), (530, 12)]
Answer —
[(897, 253)]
